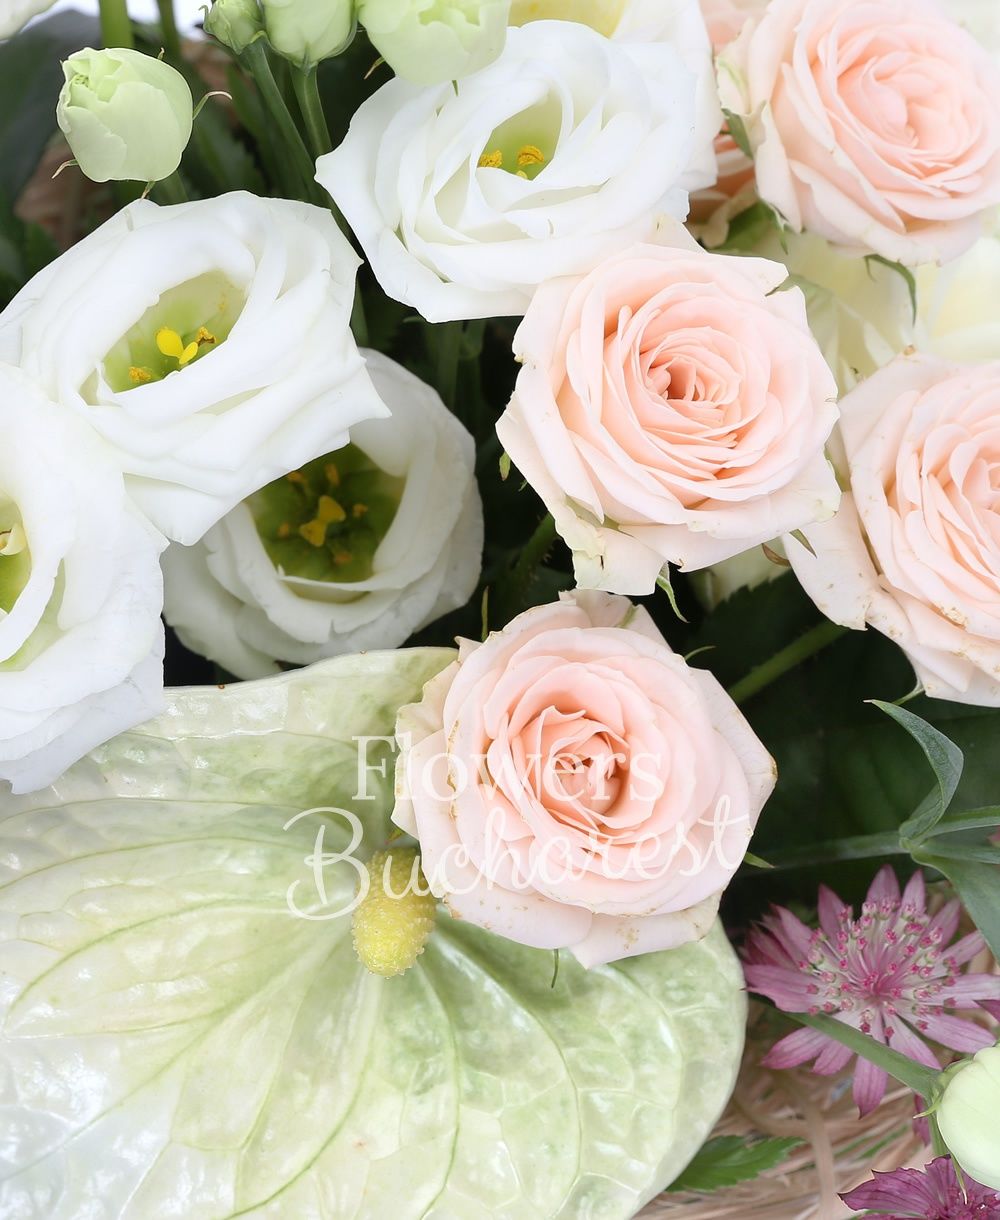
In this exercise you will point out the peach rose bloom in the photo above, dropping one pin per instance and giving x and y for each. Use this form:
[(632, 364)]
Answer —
[(875, 123), (574, 784), (672, 408), (915, 548), (734, 190)]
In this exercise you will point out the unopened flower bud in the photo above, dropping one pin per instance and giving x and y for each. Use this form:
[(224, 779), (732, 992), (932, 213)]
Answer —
[(125, 115), (235, 23), (967, 1116), (440, 42), (307, 31)]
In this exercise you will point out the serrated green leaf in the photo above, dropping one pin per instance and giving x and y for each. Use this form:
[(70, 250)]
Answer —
[(728, 1160), (177, 1042)]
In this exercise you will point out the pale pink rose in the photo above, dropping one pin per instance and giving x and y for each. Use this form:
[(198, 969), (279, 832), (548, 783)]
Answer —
[(672, 408), (915, 548), (574, 784), (734, 188), (875, 123)]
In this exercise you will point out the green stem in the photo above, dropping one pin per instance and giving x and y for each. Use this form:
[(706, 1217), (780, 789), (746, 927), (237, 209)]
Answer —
[(836, 851), (449, 350), (517, 582), (777, 666), (116, 28), (171, 190), (168, 27), (257, 61), (922, 1080), (307, 92)]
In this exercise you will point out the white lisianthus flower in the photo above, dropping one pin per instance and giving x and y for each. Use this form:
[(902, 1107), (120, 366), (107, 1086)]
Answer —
[(16, 13), (357, 550), (466, 197), (430, 41), (307, 31), (81, 643), (208, 344), (126, 116)]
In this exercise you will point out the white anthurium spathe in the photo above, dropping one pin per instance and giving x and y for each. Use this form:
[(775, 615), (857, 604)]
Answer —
[(467, 196), (16, 13), (179, 1041), (81, 642), (208, 344), (358, 549)]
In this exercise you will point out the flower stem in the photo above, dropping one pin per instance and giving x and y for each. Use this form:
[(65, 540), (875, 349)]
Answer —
[(171, 190), (260, 69), (777, 666), (307, 92), (449, 352), (922, 1080), (168, 28), (859, 847), (116, 28)]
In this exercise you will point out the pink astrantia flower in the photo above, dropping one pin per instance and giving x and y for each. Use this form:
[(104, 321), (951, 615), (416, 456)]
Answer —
[(890, 973), (934, 1193)]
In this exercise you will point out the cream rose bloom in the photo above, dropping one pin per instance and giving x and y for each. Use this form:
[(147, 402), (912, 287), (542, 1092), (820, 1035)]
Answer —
[(465, 198), (81, 643), (874, 123), (207, 344), (915, 548), (574, 784), (358, 550), (672, 408), (980, 17), (958, 317)]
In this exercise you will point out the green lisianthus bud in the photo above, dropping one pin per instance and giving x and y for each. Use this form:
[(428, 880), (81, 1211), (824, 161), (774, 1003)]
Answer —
[(967, 1113), (306, 31), (126, 116), (235, 23), (430, 41)]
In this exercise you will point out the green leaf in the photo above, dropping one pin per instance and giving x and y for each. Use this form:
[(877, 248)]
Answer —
[(946, 761), (728, 1160), (177, 1042), (908, 277), (30, 80), (977, 884), (737, 129)]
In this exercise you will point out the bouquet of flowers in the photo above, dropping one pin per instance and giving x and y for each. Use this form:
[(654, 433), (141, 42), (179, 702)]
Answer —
[(544, 585)]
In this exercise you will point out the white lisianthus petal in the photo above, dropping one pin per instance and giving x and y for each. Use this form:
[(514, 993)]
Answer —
[(16, 13), (621, 138), (228, 600), (284, 384), (81, 644)]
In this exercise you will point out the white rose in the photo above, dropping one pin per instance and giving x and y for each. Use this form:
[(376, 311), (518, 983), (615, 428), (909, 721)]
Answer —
[(465, 197), (208, 344), (358, 550), (15, 13), (81, 643), (980, 17)]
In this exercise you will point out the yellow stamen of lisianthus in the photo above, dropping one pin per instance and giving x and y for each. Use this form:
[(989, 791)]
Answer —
[(359, 510), (204, 336), (284, 530), (171, 344), (328, 512), (13, 541), (342, 558), (139, 376), (332, 474), (530, 154), (491, 160)]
